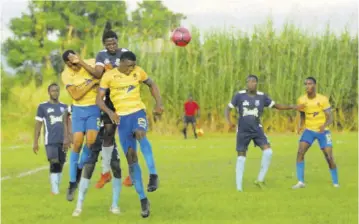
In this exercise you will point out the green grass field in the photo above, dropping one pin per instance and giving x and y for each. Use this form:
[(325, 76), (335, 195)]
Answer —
[(197, 185)]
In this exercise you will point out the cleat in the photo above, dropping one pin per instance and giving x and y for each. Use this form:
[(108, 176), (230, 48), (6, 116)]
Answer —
[(336, 185), (153, 183), (145, 208), (77, 212), (299, 185), (127, 182), (71, 191), (259, 184), (115, 210), (105, 178)]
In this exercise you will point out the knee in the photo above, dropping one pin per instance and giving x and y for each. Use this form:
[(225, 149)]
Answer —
[(88, 170), (116, 169), (131, 156), (55, 166), (140, 134), (268, 151), (77, 147), (240, 153)]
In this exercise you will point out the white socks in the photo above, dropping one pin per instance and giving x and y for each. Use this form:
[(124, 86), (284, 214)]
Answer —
[(54, 179), (84, 184), (239, 171), (106, 158), (266, 159)]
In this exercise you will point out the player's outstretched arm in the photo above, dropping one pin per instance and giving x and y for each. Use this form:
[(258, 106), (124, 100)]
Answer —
[(155, 91), (77, 92), (95, 72), (288, 107)]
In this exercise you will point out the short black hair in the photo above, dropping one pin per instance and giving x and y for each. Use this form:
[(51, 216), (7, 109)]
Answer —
[(129, 55), (312, 78), (252, 76), (51, 85), (65, 55)]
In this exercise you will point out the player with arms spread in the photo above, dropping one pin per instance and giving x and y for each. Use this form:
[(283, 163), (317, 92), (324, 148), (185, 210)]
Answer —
[(82, 87), (50, 114), (250, 104), (317, 116), (124, 85)]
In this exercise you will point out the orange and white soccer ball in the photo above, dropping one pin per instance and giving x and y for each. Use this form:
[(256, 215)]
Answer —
[(199, 131)]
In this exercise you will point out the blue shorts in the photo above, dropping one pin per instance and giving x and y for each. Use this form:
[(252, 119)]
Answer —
[(324, 139), (85, 118), (127, 127)]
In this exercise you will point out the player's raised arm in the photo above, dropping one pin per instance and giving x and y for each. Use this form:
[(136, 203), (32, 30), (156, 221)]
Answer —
[(37, 130), (96, 71)]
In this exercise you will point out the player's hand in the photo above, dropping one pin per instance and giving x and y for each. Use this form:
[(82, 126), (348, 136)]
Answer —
[(322, 129), (299, 130), (35, 148), (299, 107), (158, 109), (67, 144), (114, 117), (73, 58)]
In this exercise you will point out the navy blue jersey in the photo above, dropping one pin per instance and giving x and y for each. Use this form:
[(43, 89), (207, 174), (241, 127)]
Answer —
[(51, 115), (109, 61), (250, 109)]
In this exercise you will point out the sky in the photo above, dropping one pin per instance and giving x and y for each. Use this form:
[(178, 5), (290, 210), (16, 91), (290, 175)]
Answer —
[(312, 15)]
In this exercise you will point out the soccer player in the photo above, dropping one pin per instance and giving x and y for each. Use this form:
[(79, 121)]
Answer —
[(89, 162), (317, 117), (50, 114), (124, 85), (250, 104), (106, 60), (191, 108), (82, 87)]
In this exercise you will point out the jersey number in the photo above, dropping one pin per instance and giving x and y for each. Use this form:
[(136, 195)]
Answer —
[(328, 138)]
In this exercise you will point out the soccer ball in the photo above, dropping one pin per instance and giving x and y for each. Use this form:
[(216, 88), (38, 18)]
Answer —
[(181, 36), (199, 132)]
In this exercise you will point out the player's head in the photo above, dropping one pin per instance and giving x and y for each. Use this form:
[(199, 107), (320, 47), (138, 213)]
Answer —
[(252, 81), (190, 98), (65, 57), (310, 85), (127, 62), (54, 91), (109, 39)]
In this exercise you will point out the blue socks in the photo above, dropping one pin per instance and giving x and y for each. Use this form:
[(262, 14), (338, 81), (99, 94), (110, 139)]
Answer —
[(300, 171), (135, 174), (146, 149), (334, 174), (74, 158), (84, 156), (116, 189)]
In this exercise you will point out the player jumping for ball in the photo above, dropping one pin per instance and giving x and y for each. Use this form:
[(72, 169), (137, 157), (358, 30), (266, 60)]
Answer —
[(317, 117), (50, 114), (250, 104), (130, 116), (106, 60)]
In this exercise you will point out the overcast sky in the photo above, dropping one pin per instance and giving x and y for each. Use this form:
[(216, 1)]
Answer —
[(242, 14)]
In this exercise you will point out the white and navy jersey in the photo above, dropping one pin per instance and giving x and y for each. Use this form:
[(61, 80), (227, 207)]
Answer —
[(250, 109), (51, 115)]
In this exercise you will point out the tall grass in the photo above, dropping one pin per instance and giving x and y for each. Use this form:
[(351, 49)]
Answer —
[(214, 70)]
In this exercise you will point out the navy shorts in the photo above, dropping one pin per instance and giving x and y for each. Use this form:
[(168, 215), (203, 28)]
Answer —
[(324, 139), (55, 152), (244, 138), (190, 119), (127, 127), (85, 118)]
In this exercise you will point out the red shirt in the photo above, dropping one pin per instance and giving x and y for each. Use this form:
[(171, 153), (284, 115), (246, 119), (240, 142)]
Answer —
[(190, 108)]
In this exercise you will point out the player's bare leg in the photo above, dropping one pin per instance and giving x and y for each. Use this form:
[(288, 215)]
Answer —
[(328, 153), (265, 162), (194, 129), (302, 150), (75, 172), (184, 130), (240, 169), (107, 149), (146, 149)]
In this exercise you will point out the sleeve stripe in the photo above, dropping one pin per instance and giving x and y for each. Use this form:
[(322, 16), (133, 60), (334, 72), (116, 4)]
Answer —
[(101, 88), (100, 63), (38, 119), (271, 104), (231, 105)]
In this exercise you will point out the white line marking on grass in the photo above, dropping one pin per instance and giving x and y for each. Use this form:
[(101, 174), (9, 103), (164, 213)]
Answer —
[(27, 173)]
